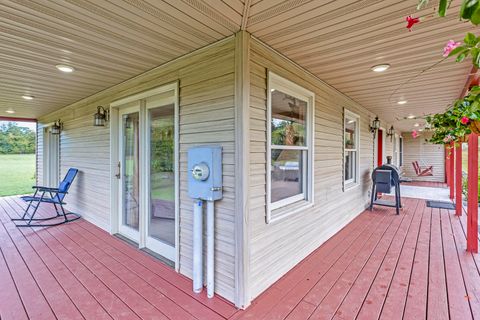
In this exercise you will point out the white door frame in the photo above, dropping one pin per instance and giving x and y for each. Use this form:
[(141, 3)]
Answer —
[(115, 109), (126, 231), (375, 147), (51, 158), (150, 242)]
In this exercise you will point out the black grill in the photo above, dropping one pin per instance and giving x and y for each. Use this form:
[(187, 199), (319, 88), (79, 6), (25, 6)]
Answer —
[(384, 178)]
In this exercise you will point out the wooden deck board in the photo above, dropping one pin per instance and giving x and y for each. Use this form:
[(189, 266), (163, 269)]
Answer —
[(416, 304), (437, 284), (380, 266), (397, 293), (328, 302), (458, 304), (357, 295), (470, 270)]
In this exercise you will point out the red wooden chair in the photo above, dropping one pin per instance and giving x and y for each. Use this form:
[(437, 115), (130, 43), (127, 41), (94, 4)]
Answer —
[(428, 171)]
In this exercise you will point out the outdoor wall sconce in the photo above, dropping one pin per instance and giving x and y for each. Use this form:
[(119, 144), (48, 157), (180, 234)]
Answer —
[(101, 117), (57, 127), (375, 126), (391, 133)]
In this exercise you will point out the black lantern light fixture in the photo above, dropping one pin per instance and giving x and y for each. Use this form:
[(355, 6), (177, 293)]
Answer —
[(100, 117), (57, 127), (391, 133), (375, 126)]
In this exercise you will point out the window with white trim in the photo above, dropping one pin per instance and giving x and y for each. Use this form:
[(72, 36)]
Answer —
[(290, 146), (351, 148)]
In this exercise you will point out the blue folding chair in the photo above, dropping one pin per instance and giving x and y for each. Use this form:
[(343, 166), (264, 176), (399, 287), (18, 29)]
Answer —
[(49, 195)]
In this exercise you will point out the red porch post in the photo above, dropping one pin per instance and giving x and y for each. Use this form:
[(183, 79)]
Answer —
[(458, 179), (472, 208), (452, 170)]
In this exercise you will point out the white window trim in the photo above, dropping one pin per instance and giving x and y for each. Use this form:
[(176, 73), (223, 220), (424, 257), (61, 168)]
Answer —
[(355, 181), (400, 153), (306, 199)]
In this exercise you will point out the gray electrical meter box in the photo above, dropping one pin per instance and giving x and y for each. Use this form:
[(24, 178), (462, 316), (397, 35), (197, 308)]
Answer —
[(205, 173)]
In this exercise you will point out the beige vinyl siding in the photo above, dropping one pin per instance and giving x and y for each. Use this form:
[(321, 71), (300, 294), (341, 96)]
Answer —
[(276, 247), (206, 116), (427, 154)]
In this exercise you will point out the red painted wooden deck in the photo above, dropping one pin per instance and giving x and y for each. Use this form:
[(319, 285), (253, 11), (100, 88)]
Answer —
[(380, 266)]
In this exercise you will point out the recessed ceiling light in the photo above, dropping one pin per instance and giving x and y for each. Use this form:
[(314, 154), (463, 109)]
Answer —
[(10, 110), (402, 102), (380, 67), (65, 68), (411, 116), (416, 125), (27, 97)]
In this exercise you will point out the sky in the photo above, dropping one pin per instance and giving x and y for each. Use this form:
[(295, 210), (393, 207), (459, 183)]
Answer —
[(30, 125)]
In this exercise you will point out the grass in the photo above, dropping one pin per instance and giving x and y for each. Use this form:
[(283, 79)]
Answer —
[(17, 174), (465, 160)]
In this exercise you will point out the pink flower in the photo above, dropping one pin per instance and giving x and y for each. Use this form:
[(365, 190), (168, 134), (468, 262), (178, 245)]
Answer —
[(448, 138), (464, 120), (411, 21), (449, 47), (415, 134)]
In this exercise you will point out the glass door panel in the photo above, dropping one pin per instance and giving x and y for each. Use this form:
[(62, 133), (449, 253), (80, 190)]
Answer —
[(161, 219), (130, 173)]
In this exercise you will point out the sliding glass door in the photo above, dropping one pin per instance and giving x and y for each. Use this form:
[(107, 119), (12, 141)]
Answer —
[(129, 177), (161, 179), (147, 172)]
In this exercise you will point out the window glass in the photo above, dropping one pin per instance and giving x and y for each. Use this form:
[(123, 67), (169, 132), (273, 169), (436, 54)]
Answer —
[(288, 120), (286, 174), (350, 165), (350, 157), (350, 132)]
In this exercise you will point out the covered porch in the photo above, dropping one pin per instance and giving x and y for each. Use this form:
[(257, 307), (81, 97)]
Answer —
[(379, 266)]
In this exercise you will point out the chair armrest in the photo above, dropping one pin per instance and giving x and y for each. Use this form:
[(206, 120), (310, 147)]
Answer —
[(48, 189)]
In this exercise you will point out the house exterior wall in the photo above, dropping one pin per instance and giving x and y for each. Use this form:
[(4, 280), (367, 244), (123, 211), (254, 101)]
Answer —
[(276, 247), (222, 100), (206, 80), (427, 154)]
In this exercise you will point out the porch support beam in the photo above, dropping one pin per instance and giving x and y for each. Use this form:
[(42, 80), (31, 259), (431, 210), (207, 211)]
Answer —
[(452, 170), (472, 203), (458, 179)]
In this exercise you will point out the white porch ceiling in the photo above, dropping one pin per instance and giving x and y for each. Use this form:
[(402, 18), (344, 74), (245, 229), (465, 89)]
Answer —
[(337, 40)]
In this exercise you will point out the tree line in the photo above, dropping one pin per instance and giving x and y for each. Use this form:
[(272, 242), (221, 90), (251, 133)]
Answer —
[(16, 140)]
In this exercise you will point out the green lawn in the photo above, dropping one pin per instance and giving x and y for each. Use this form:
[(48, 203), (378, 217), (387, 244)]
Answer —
[(17, 174), (465, 160)]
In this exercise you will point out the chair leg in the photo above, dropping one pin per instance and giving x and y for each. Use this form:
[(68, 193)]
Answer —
[(29, 205), (372, 197)]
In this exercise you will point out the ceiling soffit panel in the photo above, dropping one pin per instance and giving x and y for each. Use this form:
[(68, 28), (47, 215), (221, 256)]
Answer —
[(107, 42), (337, 40)]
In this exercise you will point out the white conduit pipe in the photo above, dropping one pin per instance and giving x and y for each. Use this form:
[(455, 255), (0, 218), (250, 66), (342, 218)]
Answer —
[(210, 248), (197, 246)]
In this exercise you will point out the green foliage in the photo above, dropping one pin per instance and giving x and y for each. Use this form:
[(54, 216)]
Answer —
[(465, 186), (448, 126), (162, 158), (470, 47), (16, 140), (469, 11)]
